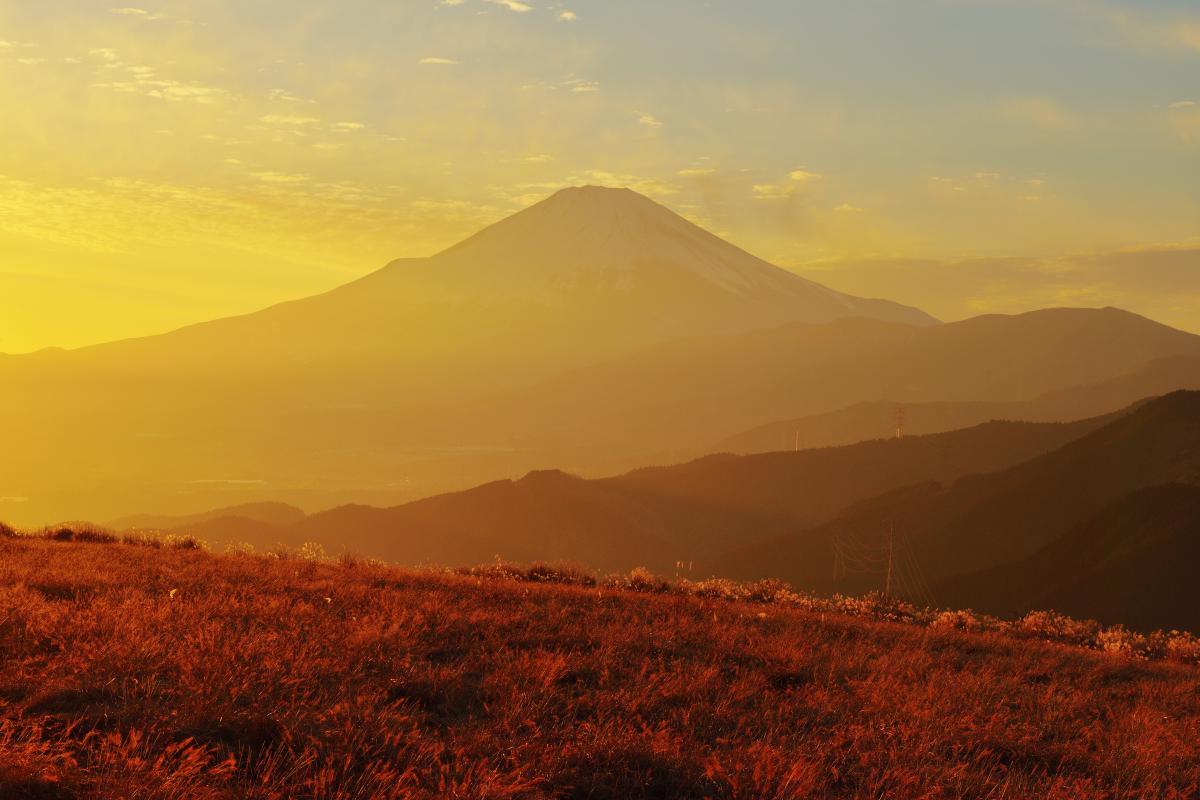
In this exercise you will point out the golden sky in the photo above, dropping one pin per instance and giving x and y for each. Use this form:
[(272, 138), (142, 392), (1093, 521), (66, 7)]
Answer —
[(166, 164)]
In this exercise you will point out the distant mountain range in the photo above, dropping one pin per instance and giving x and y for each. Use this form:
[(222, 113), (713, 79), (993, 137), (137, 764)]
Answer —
[(1098, 518), (880, 419), (1134, 562), (694, 512), (1010, 524), (593, 333)]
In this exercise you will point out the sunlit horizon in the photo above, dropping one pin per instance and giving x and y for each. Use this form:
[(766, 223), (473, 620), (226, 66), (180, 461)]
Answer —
[(166, 165)]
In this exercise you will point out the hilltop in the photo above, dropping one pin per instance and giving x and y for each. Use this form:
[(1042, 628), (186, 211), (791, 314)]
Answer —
[(185, 674), (983, 522)]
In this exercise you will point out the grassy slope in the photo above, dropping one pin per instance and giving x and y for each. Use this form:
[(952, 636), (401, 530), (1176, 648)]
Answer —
[(131, 672)]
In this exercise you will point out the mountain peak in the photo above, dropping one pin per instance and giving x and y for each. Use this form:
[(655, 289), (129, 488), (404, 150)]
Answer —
[(598, 241)]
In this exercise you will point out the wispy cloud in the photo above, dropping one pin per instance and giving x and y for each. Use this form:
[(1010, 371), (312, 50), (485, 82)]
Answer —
[(567, 16), (512, 5), (649, 121), (797, 180), (437, 60), (288, 119)]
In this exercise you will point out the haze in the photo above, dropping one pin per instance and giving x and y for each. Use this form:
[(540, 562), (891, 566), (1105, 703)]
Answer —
[(174, 163)]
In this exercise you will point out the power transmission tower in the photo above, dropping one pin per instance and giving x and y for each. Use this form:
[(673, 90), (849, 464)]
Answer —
[(887, 584), (899, 422)]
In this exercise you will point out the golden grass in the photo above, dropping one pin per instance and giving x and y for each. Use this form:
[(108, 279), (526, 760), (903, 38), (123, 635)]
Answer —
[(143, 672)]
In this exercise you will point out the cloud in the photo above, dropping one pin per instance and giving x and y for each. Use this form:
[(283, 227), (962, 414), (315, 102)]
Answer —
[(345, 127), (540, 158), (567, 16), (288, 119), (649, 121), (436, 60), (7, 45), (580, 86), (796, 180), (1182, 104), (848, 208), (696, 172), (512, 5), (134, 12)]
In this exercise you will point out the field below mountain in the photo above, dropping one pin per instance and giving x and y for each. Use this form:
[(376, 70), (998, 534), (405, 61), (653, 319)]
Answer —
[(188, 675)]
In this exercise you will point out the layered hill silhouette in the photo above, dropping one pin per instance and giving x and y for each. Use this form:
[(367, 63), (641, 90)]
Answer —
[(880, 419), (594, 333), (1132, 563), (981, 522), (656, 518)]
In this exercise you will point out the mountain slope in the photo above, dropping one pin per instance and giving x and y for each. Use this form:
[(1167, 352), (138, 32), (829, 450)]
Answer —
[(875, 420), (269, 513), (375, 389), (544, 516), (985, 521), (1132, 563), (659, 517), (679, 397), (581, 351)]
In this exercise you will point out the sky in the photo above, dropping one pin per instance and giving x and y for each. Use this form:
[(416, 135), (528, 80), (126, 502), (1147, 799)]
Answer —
[(170, 163)]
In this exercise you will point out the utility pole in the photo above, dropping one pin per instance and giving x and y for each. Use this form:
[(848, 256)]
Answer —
[(899, 422), (796, 445)]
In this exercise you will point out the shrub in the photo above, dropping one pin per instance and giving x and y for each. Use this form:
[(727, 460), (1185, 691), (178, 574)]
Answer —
[(565, 573), (1183, 647), (960, 620), (80, 532), (1055, 627), (177, 541), (7, 531), (639, 579), (142, 540), (1119, 640), (312, 551)]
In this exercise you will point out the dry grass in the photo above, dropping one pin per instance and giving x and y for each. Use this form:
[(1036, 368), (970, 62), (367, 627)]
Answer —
[(142, 672)]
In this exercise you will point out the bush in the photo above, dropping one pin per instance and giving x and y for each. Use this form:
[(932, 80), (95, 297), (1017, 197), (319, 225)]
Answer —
[(1055, 627), (184, 542), (77, 532), (7, 531), (960, 621), (1183, 647), (1119, 640)]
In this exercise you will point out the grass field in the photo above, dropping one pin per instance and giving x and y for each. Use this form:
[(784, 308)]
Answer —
[(136, 672)]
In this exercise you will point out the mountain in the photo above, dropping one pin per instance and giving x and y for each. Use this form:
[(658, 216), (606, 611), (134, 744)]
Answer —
[(879, 419), (594, 332), (656, 517), (269, 513), (374, 391), (1133, 563), (670, 402), (981, 522)]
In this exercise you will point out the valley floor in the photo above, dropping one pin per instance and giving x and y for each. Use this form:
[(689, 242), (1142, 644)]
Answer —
[(135, 672)]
